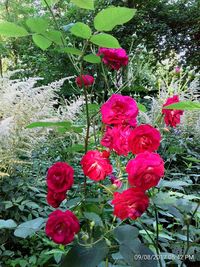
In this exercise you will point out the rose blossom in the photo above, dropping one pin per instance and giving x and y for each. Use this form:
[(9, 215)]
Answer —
[(172, 116), (84, 80), (55, 199), (62, 226), (60, 177), (116, 138), (145, 170), (96, 165), (131, 203), (116, 182), (115, 58), (144, 138), (119, 109)]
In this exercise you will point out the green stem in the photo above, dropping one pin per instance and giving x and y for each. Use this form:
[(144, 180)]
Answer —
[(188, 232)]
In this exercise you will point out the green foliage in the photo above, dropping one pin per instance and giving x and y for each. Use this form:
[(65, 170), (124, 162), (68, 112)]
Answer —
[(184, 105), (105, 40), (38, 25), (71, 50), (90, 256), (28, 228), (109, 18), (41, 41), (65, 124), (92, 59), (87, 4), (7, 224), (10, 29), (81, 30)]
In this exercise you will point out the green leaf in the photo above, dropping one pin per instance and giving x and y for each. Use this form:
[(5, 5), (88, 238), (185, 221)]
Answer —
[(54, 36), (41, 41), (126, 234), (92, 58), (37, 25), (191, 159), (105, 40), (7, 224), (65, 124), (71, 50), (10, 29), (141, 107), (86, 4), (28, 228), (110, 17), (176, 184), (135, 255), (81, 30), (80, 256), (93, 217), (184, 105)]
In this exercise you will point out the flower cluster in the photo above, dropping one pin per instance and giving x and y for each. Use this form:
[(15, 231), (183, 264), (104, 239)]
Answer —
[(61, 226), (122, 136)]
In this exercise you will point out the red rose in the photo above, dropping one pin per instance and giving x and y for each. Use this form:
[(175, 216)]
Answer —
[(144, 138), (60, 177), (145, 170), (131, 203), (116, 138), (114, 58), (95, 165), (55, 199), (119, 109), (84, 80), (62, 226), (172, 116)]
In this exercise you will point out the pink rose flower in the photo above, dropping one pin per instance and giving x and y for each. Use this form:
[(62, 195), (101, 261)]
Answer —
[(116, 138), (145, 170), (131, 203), (60, 177), (62, 226), (114, 58), (119, 109), (172, 117), (96, 165), (84, 80), (144, 138), (55, 199)]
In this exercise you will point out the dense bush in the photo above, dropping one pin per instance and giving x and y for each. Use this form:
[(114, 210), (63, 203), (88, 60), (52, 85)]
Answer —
[(108, 177)]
